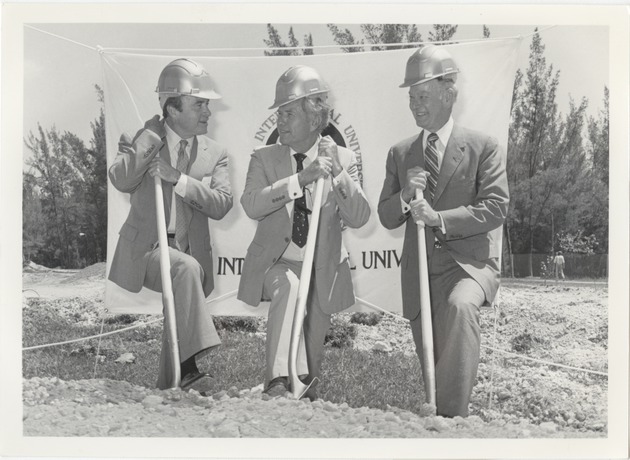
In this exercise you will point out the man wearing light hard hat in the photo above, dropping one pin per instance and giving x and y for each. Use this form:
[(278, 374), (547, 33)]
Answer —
[(194, 173), (278, 195), (462, 174)]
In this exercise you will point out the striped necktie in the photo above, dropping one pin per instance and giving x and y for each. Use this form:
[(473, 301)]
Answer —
[(300, 211), (181, 228), (431, 163)]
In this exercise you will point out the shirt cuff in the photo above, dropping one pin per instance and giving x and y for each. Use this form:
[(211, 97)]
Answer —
[(180, 186), (442, 226), (294, 189), (336, 180), (404, 205)]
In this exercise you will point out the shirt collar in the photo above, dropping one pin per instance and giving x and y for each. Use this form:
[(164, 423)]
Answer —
[(311, 153), (173, 139), (444, 133)]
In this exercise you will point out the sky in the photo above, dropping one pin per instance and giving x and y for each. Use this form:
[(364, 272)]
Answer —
[(60, 73)]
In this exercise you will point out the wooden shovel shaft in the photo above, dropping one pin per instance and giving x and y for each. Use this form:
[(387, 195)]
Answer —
[(428, 359), (168, 300), (297, 387)]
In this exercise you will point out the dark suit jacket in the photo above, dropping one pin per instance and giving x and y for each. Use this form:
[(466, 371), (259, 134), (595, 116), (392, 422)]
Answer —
[(472, 197), (265, 198), (211, 198)]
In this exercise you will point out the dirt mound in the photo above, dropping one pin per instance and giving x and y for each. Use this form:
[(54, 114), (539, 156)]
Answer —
[(96, 271), (53, 407)]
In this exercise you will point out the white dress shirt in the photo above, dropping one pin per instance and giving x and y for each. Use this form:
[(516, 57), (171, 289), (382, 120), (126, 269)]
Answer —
[(293, 251), (444, 134), (173, 140)]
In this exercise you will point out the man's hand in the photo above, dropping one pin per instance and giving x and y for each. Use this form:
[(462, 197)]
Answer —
[(416, 180), (320, 167), (421, 210), (163, 170), (154, 125), (328, 148)]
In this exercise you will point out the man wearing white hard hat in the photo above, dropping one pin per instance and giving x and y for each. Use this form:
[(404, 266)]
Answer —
[(194, 173), (463, 177), (278, 195)]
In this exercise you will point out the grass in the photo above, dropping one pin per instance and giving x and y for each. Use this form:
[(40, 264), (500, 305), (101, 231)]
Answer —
[(357, 378)]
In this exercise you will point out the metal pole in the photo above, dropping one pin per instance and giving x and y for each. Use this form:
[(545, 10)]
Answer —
[(297, 387), (426, 323), (167, 285)]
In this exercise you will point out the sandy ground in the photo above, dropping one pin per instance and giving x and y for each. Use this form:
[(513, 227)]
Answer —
[(114, 408)]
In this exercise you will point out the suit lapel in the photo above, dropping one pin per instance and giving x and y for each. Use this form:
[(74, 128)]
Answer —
[(282, 162), (193, 158), (453, 156), (415, 157)]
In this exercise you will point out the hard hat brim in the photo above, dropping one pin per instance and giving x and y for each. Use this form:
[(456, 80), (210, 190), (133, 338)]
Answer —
[(409, 83), (277, 104)]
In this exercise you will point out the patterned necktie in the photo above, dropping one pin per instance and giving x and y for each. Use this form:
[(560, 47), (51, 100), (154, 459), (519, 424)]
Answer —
[(300, 211), (181, 229), (431, 163)]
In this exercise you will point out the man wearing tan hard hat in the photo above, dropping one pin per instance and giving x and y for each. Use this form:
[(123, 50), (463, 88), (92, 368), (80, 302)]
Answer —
[(278, 195), (194, 173), (462, 175)]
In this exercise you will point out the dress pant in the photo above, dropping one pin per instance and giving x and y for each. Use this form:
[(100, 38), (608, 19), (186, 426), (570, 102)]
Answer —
[(456, 299), (195, 329), (281, 286)]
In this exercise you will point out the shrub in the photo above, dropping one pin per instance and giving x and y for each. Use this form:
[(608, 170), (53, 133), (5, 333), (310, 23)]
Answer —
[(120, 319), (340, 334), (367, 319), (236, 323), (523, 343)]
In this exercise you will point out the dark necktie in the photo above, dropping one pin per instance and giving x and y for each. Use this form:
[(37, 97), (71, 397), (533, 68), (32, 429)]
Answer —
[(300, 211), (431, 163), (181, 229)]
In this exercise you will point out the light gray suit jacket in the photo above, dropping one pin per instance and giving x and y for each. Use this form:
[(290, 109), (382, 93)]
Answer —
[(265, 198), (472, 198), (208, 195)]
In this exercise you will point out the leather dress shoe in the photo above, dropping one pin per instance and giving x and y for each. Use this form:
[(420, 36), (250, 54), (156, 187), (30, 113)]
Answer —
[(277, 387), (198, 381)]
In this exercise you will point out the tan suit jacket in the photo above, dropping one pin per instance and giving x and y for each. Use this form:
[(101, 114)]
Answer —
[(265, 198), (208, 195), (472, 198)]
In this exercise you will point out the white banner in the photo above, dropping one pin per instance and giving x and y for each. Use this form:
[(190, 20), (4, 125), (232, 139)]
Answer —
[(370, 113)]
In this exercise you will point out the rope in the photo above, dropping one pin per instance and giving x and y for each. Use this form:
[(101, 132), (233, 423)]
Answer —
[(131, 98), (61, 37), (549, 363), (98, 348), (103, 50), (296, 48), (494, 341), (35, 347), (92, 336)]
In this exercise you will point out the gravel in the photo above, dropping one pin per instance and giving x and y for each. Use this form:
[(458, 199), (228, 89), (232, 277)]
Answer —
[(572, 332)]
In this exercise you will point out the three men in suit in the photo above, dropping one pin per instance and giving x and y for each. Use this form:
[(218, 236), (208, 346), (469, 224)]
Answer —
[(277, 194), (463, 175), (196, 187)]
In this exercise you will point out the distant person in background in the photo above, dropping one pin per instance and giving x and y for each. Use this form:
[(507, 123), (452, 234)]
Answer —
[(196, 187), (462, 173), (277, 194), (558, 264)]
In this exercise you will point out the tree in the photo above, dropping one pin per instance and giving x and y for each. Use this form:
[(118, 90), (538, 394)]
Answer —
[(275, 41), (554, 193), (534, 113), (598, 139), (345, 39), (442, 32), (65, 187)]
